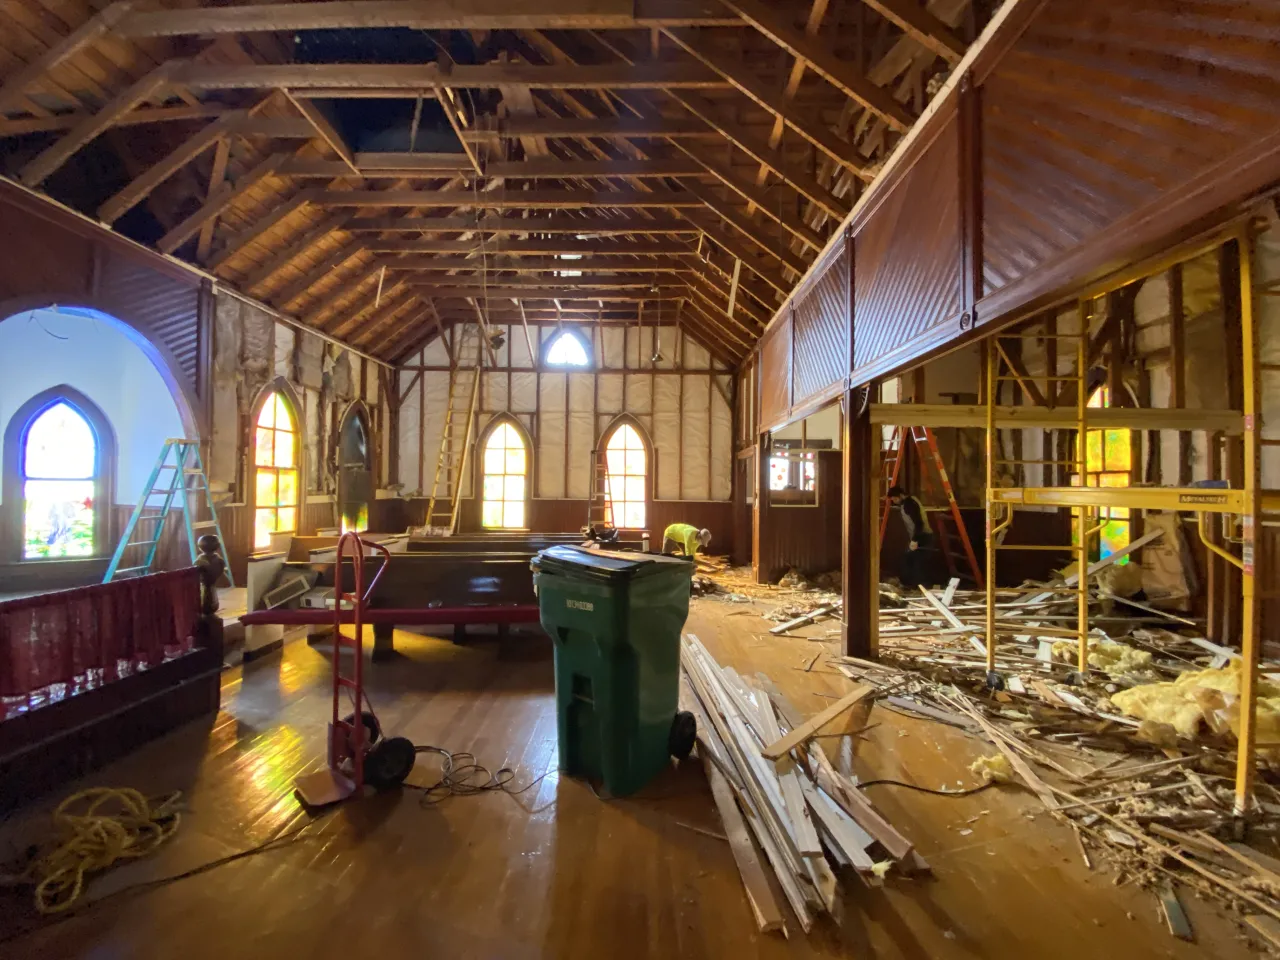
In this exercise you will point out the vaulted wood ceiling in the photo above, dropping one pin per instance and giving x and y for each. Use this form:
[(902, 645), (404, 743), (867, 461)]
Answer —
[(380, 168)]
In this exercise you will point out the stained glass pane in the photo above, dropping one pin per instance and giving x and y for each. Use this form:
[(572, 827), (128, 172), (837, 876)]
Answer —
[(513, 488), (493, 487), (263, 524), (284, 449), (491, 513), (265, 489), (58, 518), (264, 451), (267, 417), (60, 445), (514, 461), (513, 514), (567, 350), (288, 488), (285, 519), (779, 473), (493, 459), (284, 421), (632, 515)]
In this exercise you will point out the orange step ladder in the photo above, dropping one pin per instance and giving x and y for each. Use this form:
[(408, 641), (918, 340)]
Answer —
[(926, 448)]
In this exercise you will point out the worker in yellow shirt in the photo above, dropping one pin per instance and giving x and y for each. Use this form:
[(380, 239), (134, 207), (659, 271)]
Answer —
[(685, 536)]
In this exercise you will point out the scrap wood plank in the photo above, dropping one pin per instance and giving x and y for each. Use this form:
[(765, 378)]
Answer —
[(788, 780), (754, 881), (950, 593), (955, 621), (1032, 596), (933, 713), (809, 617), (781, 747), (1174, 916), (1268, 927), (858, 807), (843, 829)]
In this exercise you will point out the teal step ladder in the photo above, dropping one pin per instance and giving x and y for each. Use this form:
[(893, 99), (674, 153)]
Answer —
[(177, 474)]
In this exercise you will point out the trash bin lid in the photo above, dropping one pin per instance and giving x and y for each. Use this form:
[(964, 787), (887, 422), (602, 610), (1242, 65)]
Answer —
[(608, 564)]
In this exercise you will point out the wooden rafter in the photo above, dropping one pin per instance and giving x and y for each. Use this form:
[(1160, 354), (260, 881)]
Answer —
[(556, 223), (224, 198), (536, 264), (922, 26), (325, 228), (514, 248)]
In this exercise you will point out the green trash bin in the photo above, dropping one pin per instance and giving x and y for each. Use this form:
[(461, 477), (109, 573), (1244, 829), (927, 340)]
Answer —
[(615, 620)]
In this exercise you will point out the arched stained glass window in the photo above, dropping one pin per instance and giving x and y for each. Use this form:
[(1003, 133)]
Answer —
[(275, 461), (60, 465), (506, 474), (1108, 461), (566, 349), (626, 478)]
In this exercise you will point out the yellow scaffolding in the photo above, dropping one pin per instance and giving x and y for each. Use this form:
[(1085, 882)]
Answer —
[(1248, 502)]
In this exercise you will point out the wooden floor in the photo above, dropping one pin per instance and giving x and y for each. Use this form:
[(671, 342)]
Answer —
[(557, 872)]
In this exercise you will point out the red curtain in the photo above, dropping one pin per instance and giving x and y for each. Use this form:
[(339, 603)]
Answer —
[(57, 644)]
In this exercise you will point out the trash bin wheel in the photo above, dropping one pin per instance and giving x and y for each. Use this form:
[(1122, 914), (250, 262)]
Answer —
[(684, 729), (389, 762)]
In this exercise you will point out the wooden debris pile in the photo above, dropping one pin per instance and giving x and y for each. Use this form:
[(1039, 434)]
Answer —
[(773, 785), (1151, 798)]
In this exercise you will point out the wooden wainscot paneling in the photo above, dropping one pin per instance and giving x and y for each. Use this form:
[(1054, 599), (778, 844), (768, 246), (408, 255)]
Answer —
[(775, 372), (806, 538), (907, 287), (821, 329), (1111, 128)]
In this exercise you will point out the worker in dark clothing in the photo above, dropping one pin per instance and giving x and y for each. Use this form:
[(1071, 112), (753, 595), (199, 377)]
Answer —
[(919, 537)]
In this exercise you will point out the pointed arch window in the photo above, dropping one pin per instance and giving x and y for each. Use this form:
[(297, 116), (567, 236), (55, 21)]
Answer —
[(504, 494), (567, 349), (61, 467), (275, 460), (626, 478), (1108, 462)]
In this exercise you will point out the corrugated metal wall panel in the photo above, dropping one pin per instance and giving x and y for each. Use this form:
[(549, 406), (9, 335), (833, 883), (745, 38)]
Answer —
[(775, 373), (1102, 107), (821, 354), (907, 278)]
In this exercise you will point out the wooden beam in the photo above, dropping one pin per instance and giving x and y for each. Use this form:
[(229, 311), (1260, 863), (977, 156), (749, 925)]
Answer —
[(780, 748), (330, 224), (87, 33), (53, 157), (444, 97), (217, 177), (138, 190), (1056, 418), (259, 227), (392, 293), (229, 194), (823, 61), (534, 283), (278, 128), (302, 284), (517, 248), (762, 153), (510, 292), (556, 223), (774, 210), (740, 251), (324, 130), (491, 265), (422, 15), (738, 220), (922, 26), (603, 127), (65, 121), (405, 163), (547, 199), (740, 75), (407, 80), (552, 168)]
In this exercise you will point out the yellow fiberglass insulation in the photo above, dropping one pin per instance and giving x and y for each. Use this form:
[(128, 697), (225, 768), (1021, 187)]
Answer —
[(1110, 657), (1210, 696)]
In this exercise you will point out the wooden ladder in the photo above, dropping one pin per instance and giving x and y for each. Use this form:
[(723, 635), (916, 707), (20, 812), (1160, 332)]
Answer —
[(456, 433), (599, 510), (926, 448)]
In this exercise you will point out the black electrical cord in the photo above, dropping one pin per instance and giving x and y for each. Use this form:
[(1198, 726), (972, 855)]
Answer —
[(937, 793)]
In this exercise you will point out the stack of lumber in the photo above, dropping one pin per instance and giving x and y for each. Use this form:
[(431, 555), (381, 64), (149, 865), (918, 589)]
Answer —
[(771, 783)]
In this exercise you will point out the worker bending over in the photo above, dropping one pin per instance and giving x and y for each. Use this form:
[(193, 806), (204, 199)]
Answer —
[(685, 536), (919, 537)]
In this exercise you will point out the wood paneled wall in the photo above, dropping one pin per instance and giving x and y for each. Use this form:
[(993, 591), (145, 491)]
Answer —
[(806, 538)]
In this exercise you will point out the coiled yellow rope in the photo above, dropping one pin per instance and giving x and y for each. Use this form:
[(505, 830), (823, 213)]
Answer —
[(97, 828)]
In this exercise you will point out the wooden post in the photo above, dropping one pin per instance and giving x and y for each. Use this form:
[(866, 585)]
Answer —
[(1178, 369), (860, 547), (1232, 308), (759, 506)]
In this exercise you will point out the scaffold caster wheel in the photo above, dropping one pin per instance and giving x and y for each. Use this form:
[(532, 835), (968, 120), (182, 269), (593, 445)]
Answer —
[(389, 762), (684, 730), (994, 680)]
